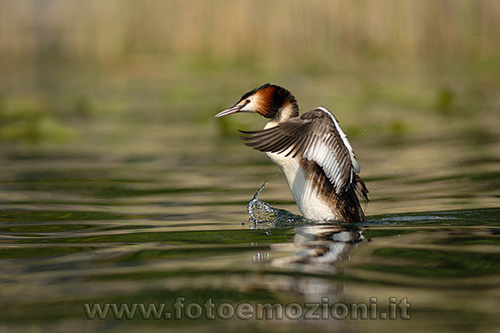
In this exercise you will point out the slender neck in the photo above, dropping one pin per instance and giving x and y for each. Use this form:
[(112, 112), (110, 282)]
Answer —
[(287, 111)]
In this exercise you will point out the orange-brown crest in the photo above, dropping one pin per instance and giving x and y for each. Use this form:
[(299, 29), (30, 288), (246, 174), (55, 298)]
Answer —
[(269, 99), (264, 98)]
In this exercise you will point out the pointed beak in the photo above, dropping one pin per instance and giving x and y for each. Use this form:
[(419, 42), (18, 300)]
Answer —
[(226, 112)]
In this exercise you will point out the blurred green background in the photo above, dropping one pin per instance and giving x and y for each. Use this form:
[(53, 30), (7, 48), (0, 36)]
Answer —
[(386, 68), (117, 184)]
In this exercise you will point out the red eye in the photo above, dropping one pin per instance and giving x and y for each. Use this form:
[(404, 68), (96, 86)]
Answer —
[(247, 101)]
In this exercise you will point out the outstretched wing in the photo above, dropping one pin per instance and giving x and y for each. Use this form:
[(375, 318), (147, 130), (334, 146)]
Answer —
[(315, 136)]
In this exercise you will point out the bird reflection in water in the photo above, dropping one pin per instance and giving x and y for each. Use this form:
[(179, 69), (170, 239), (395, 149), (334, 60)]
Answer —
[(315, 247)]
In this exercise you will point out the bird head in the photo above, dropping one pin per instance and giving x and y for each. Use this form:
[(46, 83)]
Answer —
[(268, 101)]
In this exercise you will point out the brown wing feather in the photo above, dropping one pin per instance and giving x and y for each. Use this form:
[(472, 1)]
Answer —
[(312, 136)]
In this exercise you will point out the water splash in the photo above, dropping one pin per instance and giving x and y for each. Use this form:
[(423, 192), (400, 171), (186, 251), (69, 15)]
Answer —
[(261, 213)]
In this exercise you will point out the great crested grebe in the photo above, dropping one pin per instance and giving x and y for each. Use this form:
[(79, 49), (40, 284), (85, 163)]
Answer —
[(312, 151)]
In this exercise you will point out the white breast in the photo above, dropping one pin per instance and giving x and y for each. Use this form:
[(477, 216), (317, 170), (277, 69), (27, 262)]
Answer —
[(310, 203)]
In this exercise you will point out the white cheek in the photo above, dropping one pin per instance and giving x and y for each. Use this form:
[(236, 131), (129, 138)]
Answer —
[(252, 106)]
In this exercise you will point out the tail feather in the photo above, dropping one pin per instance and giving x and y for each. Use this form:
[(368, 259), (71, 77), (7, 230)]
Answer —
[(360, 187)]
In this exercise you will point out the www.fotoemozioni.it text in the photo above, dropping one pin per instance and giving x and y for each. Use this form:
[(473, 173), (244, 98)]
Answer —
[(181, 308)]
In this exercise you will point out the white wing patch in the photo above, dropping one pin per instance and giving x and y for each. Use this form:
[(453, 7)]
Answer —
[(355, 164), (319, 153)]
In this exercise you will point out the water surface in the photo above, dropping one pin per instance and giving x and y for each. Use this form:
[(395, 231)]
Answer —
[(143, 198), (84, 223)]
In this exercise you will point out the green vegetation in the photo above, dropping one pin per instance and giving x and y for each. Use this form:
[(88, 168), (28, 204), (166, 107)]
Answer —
[(401, 66)]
